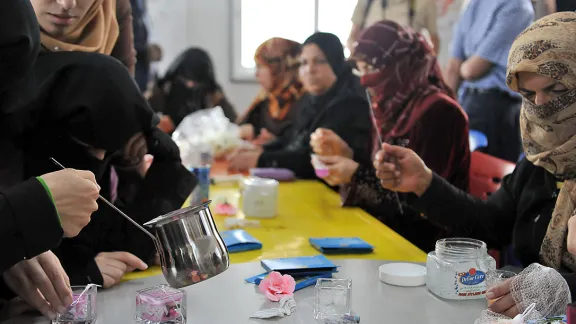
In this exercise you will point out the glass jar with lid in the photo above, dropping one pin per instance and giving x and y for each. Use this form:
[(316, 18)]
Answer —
[(457, 268)]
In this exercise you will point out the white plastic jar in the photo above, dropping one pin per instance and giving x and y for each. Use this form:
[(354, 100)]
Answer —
[(259, 197), (456, 270)]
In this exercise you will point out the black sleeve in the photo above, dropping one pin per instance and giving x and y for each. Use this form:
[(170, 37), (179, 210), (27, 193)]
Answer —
[(571, 280), (349, 119), (78, 259), (29, 223), (165, 188), (491, 221)]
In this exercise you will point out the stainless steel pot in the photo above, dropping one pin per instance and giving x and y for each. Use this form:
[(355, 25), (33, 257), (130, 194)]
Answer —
[(190, 247)]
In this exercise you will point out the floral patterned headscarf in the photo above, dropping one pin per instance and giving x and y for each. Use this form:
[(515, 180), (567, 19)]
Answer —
[(548, 48)]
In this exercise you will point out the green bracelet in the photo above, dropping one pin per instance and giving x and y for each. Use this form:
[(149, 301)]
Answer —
[(49, 195)]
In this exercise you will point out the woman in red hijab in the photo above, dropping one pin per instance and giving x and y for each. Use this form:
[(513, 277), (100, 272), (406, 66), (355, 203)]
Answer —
[(412, 107)]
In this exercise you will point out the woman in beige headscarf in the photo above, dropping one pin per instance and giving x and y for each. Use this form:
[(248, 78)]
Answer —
[(98, 26), (533, 207)]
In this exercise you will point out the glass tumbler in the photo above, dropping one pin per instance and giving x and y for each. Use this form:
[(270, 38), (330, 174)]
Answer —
[(83, 307), (496, 277), (333, 298)]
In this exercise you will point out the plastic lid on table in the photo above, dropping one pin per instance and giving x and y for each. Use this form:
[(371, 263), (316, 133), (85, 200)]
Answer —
[(403, 274)]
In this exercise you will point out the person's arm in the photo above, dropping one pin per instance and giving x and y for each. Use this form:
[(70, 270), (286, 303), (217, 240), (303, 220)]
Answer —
[(491, 221), (29, 223), (124, 49), (453, 79), (358, 17), (165, 188), (349, 119), (495, 45)]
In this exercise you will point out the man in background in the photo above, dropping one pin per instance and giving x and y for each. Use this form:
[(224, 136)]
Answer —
[(419, 14), (477, 68), (140, 26)]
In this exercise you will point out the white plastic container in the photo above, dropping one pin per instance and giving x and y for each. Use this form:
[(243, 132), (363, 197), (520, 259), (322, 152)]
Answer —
[(259, 197)]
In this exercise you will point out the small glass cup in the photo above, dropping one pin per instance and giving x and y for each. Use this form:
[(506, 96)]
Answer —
[(333, 298), (496, 277), (83, 307), (161, 305)]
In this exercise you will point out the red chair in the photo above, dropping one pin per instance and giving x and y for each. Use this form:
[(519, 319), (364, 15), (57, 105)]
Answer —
[(486, 174)]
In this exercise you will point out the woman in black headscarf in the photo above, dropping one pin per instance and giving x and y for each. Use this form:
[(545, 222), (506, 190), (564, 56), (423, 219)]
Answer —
[(188, 86), (34, 213), (93, 117), (335, 101)]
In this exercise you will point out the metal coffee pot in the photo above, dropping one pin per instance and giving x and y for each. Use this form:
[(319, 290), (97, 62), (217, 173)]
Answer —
[(191, 249)]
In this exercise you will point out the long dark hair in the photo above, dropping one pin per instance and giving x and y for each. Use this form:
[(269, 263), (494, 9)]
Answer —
[(194, 64)]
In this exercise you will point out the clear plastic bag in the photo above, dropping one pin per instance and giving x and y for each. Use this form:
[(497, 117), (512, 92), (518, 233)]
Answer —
[(205, 134)]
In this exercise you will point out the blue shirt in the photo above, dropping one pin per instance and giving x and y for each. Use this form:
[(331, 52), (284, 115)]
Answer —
[(487, 28)]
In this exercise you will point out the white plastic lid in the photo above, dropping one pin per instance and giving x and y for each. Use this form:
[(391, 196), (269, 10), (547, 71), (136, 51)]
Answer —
[(403, 274), (260, 182)]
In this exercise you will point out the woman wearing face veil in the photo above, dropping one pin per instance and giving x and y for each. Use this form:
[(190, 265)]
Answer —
[(533, 207), (188, 86), (413, 107), (93, 117)]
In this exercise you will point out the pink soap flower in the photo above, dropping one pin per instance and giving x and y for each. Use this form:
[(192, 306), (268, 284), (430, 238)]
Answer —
[(277, 286)]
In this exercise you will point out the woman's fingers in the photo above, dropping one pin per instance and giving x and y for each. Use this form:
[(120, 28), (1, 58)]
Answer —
[(385, 167), (503, 305)]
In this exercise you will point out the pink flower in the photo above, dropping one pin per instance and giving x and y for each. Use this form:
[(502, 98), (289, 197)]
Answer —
[(277, 286)]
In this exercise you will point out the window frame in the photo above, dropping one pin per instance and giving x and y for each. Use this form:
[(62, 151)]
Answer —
[(238, 73)]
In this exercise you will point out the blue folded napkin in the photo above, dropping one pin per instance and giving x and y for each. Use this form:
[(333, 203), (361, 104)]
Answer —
[(341, 245), (240, 241), (301, 281), (300, 266)]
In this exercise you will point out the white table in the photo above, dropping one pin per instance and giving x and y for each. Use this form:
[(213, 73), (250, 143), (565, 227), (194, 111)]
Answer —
[(228, 299)]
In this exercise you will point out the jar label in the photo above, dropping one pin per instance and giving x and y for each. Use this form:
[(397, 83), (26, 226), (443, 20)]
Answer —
[(471, 283)]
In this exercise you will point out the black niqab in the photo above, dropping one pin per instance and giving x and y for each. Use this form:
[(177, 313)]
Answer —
[(87, 97)]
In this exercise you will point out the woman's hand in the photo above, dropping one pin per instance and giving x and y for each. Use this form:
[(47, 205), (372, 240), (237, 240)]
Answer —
[(135, 149), (341, 169), (114, 265), (244, 159), (42, 283), (408, 173), (504, 303), (264, 137), (247, 132), (325, 142)]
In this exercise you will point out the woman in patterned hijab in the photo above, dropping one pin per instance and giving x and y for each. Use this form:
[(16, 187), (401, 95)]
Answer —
[(542, 66), (533, 209), (274, 109)]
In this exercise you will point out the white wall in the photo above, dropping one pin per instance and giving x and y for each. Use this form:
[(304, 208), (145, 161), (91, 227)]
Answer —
[(179, 24)]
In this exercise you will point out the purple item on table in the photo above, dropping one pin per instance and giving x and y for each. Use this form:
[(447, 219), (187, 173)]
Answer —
[(161, 305), (273, 173)]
